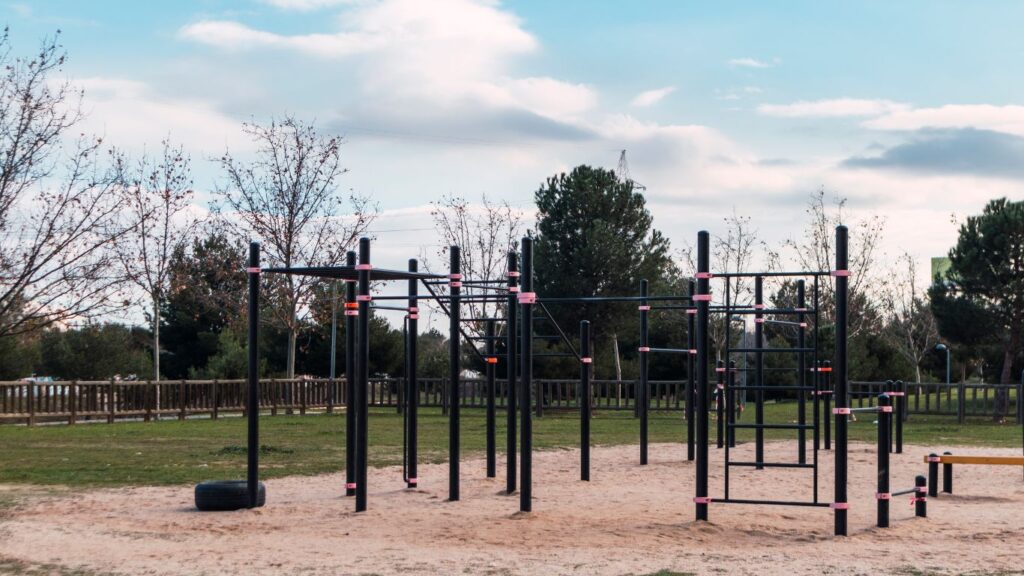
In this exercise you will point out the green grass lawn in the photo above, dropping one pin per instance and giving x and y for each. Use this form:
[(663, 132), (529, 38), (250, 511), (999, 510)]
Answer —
[(180, 452)]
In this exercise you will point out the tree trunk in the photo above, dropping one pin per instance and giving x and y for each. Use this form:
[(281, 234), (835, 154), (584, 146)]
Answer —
[(1002, 396), (618, 366), (156, 339), (917, 370), (292, 338)]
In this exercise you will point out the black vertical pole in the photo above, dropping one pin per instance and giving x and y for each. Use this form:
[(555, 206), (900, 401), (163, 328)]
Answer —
[(901, 407), (511, 365), (585, 395), (933, 474), (816, 408), (412, 393), (363, 366), (731, 403), (351, 377), (492, 362), (642, 389), (882, 493), (702, 299), (759, 359), (920, 496), (947, 475), (890, 387), (454, 367), (253, 399), (829, 392), (801, 303), (841, 374), (720, 404), (526, 300), (691, 344)]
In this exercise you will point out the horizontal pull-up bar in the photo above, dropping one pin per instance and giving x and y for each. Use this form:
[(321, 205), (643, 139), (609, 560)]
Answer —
[(613, 299), (766, 274), (769, 350)]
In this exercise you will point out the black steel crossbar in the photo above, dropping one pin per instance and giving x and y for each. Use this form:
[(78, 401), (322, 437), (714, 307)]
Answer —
[(749, 311), (770, 502), (803, 273), (671, 350), (904, 492), (772, 426), (769, 387), (770, 350), (770, 464)]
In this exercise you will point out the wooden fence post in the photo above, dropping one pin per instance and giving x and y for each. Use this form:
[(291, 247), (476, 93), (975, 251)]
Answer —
[(302, 397), (110, 402), (273, 397), (181, 400), (73, 401), (147, 400), (216, 400), (31, 396)]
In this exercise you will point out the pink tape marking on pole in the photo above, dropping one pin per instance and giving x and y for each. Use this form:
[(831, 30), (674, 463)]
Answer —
[(513, 274), (758, 320), (720, 386), (252, 270), (839, 505), (414, 316), (701, 298), (935, 458), (800, 309), (840, 273), (916, 499), (702, 499), (527, 297), (719, 369), (921, 489), (704, 275), (413, 309), (643, 308), (693, 350), (587, 360), (896, 393), (885, 408), (455, 284), (841, 411), (364, 267), (883, 496), (412, 480), (364, 298), (803, 324), (351, 312), (455, 276), (691, 310), (350, 485), (758, 306), (513, 289), (644, 349)]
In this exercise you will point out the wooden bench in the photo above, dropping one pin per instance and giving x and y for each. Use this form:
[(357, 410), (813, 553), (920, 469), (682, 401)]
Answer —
[(947, 460)]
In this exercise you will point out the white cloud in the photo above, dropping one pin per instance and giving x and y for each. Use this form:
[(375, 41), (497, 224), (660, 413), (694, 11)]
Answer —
[(1008, 119), (754, 63), (132, 115), (651, 97), (833, 108)]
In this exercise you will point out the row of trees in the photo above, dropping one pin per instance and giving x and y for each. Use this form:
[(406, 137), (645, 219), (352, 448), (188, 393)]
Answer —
[(89, 232)]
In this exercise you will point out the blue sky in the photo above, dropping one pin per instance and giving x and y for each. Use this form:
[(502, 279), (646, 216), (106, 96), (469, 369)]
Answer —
[(910, 109)]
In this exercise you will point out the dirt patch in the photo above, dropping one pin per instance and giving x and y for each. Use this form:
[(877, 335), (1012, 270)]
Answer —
[(628, 519)]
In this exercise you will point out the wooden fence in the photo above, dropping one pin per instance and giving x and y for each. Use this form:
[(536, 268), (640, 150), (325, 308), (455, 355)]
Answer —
[(74, 401)]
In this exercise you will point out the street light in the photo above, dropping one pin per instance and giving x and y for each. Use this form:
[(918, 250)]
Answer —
[(943, 348), (961, 401)]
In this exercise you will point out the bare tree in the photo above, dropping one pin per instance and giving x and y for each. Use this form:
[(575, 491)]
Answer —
[(288, 197), (158, 212), (912, 328), (816, 251), (59, 199), (485, 232)]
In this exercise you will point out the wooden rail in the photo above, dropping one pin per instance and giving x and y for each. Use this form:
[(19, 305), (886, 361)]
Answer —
[(983, 460)]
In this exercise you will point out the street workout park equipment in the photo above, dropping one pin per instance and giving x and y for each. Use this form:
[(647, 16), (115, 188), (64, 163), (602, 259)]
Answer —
[(523, 308)]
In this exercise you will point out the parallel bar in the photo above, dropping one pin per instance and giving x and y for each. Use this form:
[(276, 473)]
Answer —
[(772, 427), (761, 464), (773, 502)]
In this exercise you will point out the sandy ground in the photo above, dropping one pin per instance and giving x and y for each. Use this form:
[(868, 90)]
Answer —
[(629, 519)]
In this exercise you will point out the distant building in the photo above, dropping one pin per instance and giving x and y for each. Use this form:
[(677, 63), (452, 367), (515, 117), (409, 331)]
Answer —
[(940, 267)]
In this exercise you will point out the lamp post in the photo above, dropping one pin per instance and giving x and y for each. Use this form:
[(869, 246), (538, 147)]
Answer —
[(960, 406)]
